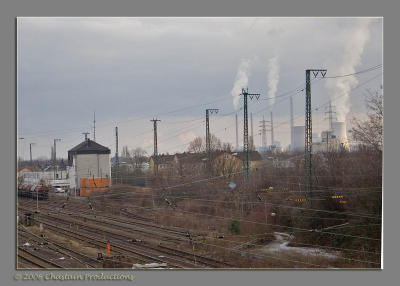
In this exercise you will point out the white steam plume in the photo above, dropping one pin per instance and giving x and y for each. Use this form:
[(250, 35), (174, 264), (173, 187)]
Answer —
[(241, 81), (340, 88), (273, 78)]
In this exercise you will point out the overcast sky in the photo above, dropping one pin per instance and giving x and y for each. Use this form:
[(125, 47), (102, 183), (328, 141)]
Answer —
[(130, 70)]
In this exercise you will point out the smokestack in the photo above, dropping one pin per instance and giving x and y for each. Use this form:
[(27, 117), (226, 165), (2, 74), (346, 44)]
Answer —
[(272, 129), (291, 124), (237, 135)]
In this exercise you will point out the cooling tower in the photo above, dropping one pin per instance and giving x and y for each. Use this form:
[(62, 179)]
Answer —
[(299, 137), (339, 130)]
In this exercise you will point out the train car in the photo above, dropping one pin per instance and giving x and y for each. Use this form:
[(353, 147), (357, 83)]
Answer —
[(40, 192), (23, 190)]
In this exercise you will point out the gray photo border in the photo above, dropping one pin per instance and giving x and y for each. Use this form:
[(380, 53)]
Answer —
[(388, 9)]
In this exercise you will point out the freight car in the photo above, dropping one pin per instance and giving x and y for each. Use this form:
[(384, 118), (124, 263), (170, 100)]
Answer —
[(40, 192)]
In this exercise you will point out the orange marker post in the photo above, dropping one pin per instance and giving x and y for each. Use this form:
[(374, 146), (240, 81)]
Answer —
[(108, 249)]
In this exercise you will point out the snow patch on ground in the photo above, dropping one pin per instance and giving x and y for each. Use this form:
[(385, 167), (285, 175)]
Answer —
[(149, 265), (281, 243)]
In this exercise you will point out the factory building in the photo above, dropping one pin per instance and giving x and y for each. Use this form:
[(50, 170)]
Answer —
[(298, 138), (90, 168), (332, 140)]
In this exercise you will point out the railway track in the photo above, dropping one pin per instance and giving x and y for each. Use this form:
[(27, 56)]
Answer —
[(38, 260), (84, 260), (117, 231), (94, 225), (142, 254)]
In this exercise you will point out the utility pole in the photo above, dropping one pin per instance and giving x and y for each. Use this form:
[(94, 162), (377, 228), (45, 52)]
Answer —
[(155, 155), (116, 155), (55, 157), (237, 133), (308, 130), (245, 93), (208, 141), (94, 126), (30, 151), (291, 124)]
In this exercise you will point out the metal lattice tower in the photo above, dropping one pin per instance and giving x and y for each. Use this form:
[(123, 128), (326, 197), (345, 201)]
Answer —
[(155, 154), (208, 139), (308, 130), (245, 93), (272, 129), (263, 132)]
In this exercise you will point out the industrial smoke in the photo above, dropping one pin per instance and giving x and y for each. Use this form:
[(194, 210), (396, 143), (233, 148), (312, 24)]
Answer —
[(350, 58), (241, 81), (273, 78)]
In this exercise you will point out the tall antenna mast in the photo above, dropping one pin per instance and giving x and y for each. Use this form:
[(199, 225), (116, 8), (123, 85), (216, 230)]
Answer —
[(94, 126)]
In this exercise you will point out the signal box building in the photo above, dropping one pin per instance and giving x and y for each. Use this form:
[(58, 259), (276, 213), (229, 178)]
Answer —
[(90, 169)]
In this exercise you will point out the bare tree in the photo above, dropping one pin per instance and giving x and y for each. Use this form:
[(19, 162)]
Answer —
[(197, 145), (215, 143), (369, 132), (139, 156), (227, 147)]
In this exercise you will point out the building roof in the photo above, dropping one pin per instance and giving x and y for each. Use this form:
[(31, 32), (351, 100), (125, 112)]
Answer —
[(87, 147), (90, 147), (253, 155), (28, 168), (164, 159)]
